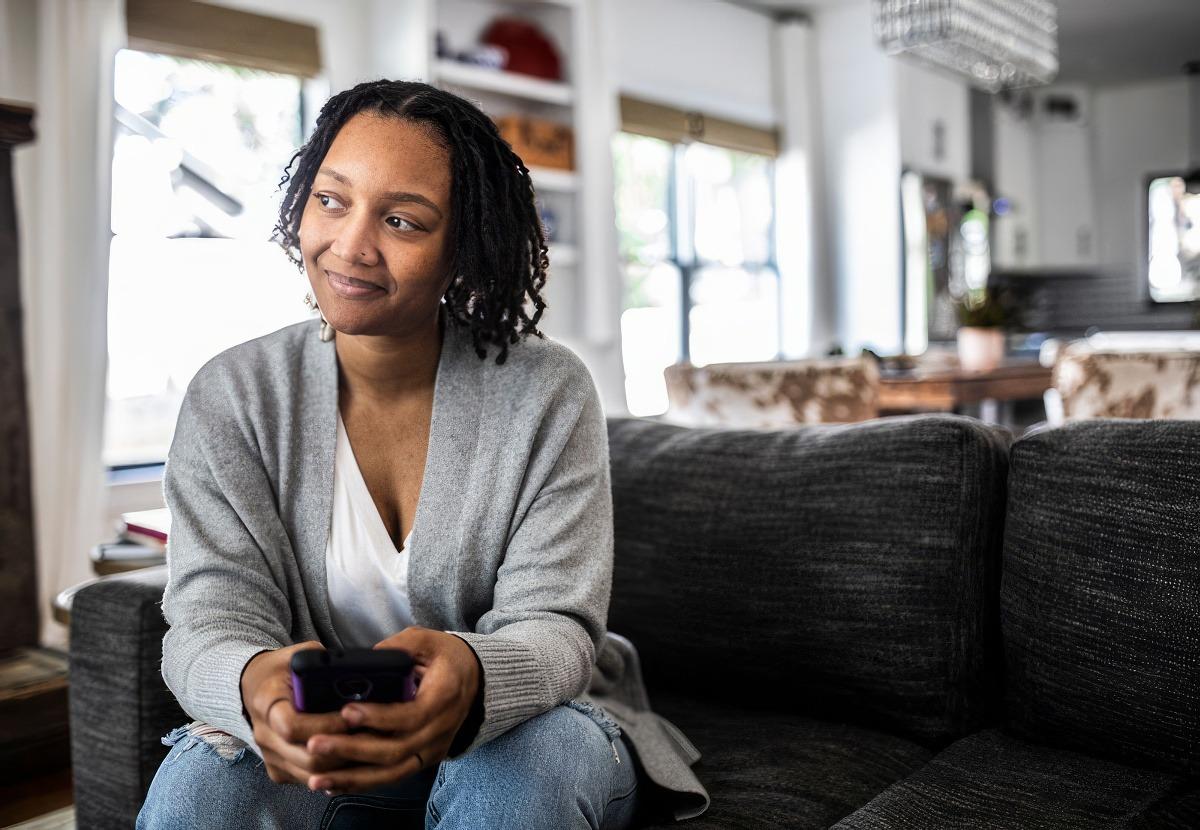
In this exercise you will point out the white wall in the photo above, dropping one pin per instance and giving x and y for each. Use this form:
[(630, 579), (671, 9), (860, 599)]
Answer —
[(1137, 129), (702, 54), (18, 43), (861, 206), (344, 31)]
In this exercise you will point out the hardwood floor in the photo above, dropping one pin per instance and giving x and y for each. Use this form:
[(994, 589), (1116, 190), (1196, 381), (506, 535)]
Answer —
[(63, 819), (36, 796)]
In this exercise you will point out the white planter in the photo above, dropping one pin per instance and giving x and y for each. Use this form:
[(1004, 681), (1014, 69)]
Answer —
[(980, 349)]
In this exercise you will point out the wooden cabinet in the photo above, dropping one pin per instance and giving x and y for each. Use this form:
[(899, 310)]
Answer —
[(18, 587)]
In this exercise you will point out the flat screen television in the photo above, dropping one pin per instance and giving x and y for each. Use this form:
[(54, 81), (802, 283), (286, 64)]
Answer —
[(1173, 249)]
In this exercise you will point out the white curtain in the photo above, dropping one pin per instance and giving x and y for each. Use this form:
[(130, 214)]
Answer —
[(66, 235)]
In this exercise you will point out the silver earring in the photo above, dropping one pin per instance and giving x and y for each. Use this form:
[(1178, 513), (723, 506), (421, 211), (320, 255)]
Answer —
[(327, 331)]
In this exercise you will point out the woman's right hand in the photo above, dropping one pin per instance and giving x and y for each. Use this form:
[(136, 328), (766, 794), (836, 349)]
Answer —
[(280, 731)]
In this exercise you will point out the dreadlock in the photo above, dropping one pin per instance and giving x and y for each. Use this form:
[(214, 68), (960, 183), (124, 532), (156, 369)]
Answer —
[(499, 249)]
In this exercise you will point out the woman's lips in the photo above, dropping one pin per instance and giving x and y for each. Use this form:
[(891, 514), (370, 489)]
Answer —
[(349, 287)]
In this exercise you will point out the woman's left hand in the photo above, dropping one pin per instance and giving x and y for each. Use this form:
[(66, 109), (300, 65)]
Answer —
[(449, 675)]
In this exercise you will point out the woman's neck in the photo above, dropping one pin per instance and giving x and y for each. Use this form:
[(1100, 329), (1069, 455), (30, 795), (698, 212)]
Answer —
[(382, 369)]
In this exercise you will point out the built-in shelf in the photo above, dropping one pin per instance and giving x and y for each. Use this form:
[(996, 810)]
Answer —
[(498, 81), (561, 181)]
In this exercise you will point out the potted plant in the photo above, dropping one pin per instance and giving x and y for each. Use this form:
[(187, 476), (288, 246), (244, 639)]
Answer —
[(984, 317)]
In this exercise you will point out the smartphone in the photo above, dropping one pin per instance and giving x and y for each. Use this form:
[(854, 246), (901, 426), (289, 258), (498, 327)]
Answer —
[(325, 680)]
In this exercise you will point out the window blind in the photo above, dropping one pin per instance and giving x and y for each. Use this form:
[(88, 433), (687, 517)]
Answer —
[(202, 31), (678, 125)]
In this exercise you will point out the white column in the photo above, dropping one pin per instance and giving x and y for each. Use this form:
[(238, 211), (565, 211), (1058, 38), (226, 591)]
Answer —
[(808, 294)]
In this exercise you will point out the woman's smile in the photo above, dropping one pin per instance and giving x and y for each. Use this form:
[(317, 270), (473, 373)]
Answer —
[(376, 228), (351, 288)]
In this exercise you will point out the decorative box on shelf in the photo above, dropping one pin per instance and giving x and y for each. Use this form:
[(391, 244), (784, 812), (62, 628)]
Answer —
[(539, 142)]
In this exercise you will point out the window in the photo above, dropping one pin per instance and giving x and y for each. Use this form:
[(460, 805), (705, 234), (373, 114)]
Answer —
[(199, 150), (1174, 239), (695, 226)]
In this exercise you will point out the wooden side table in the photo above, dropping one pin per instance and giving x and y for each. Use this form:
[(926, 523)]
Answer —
[(949, 389)]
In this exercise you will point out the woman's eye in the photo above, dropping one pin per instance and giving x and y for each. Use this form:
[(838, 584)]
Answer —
[(401, 224), (324, 199)]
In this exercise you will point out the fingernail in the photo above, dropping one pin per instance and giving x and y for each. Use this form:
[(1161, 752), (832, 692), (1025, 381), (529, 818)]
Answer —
[(353, 716), (321, 784)]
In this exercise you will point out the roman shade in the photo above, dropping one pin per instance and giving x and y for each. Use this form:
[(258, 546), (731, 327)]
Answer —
[(201, 31), (676, 125)]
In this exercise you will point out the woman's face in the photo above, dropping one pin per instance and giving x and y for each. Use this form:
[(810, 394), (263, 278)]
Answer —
[(374, 233)]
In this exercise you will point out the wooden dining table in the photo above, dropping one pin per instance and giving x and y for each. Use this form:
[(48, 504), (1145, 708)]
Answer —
[(950, 389)]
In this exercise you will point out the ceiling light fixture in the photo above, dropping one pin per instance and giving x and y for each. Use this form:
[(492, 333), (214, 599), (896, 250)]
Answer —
[(994, 44)]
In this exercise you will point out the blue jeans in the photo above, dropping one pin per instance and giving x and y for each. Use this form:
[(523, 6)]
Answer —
[(558, 770)]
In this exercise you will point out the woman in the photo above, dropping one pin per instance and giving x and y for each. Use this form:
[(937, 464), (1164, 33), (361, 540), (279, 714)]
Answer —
[(376, 481)]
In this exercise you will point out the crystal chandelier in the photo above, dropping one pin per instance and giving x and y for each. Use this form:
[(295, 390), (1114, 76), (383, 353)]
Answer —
[(995, 44)]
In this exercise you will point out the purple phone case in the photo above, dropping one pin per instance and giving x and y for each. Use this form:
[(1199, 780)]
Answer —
[(334, 674)]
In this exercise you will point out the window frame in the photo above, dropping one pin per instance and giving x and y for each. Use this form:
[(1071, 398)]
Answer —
[(143, 472), (682, 250)]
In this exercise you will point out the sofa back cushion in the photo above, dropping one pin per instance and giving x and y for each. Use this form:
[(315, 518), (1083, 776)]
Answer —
[(847, 571), (1101, 590)]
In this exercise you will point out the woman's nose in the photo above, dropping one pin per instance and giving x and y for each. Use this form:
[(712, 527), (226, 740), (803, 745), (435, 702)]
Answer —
[(355, 240)]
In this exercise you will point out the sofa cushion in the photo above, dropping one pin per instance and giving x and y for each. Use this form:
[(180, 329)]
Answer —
[(776, 769), (844, 571), (1101, 591), (991, 779)]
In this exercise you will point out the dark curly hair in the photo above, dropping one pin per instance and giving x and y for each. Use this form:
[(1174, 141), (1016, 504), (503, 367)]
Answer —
[(499, 251)]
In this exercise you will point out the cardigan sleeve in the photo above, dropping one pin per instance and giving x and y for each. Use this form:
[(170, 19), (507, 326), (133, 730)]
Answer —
[(221, 601), (538, 643)]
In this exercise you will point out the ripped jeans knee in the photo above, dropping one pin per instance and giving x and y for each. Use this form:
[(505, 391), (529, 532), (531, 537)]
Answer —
[(211, 739), (611, 728), (203, 760)]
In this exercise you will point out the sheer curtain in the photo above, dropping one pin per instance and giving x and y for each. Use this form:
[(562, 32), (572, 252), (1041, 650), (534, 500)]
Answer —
[(65, 238)]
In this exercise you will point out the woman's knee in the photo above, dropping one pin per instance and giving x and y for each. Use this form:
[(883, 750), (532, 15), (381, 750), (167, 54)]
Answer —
[(562, 765), (213, 779), (565, 741)]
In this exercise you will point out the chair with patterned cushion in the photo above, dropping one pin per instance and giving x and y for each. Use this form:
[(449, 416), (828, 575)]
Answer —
[(1093, 382), (773, 394)]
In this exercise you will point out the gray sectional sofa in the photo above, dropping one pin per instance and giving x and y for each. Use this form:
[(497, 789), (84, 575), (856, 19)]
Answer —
[(902, 623)]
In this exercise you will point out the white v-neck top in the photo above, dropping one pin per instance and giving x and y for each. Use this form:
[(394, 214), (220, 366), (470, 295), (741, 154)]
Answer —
[(367, 576)]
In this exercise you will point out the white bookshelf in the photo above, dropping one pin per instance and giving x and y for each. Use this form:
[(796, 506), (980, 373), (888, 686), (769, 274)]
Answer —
[(566, 256), (551, 180), (582, 288), (511, 84)]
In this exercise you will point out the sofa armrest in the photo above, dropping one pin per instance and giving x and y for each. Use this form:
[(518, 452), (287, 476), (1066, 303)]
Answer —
[(119, 705)]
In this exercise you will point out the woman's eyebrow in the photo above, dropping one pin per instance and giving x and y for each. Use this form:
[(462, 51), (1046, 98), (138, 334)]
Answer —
[(393, 196)]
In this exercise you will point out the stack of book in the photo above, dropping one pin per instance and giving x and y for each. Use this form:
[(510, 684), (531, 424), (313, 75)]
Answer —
[(141, 543)]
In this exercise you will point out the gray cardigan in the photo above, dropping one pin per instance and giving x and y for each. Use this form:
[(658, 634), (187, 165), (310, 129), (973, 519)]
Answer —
[(512, 541)]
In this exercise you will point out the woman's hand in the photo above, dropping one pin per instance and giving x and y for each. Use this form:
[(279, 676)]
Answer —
[(449, 675), (279, 730)]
